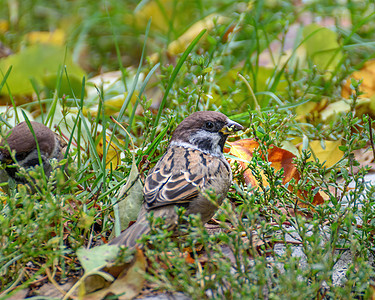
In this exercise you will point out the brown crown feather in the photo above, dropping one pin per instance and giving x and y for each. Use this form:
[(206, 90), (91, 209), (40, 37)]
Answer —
[(196, 121), (22, 140)]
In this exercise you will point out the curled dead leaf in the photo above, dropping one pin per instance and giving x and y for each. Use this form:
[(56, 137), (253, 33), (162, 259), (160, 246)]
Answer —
[(128, 283), (279, 159)]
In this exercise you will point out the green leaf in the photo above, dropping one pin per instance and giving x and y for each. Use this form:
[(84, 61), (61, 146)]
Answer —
[(234, 95), (96, 258), (173, 78), (322, 47), (207, 70), (132, 192), (43, 64)]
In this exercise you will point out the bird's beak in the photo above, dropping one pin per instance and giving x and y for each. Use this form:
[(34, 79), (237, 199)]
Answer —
[(231, 127)]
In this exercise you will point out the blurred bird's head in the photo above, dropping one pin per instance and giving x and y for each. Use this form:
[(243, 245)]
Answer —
[(20, 145)]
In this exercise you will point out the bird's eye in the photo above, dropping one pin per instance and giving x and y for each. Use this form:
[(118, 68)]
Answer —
[(209, 125)]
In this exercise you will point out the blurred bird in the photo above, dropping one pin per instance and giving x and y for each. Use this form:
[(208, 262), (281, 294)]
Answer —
[(192, 165), (21, 141)]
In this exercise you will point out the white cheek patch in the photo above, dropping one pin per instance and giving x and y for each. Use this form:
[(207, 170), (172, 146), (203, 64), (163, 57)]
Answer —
[(202, 140), (201, 135), (207, 142)]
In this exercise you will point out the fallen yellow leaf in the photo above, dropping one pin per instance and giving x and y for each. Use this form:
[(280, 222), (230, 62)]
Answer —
[(56, 37), (367, 74), (330, 155), (112, 106), (179, 45), (310, 110), (113, 154), (158, 11), (4, 26), (335, 108)]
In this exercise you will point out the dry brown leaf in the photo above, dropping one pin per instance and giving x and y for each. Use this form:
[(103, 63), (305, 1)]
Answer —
[(372, 291), (188, 258), (49, 290), (365, 157), (279, 159), (259, 246), (21, 294), (129, 282)]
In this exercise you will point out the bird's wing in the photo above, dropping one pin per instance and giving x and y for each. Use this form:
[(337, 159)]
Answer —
[(171, 182)]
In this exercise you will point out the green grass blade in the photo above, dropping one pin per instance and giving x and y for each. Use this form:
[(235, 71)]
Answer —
[(5, 77), (173, 78), (37, 144)]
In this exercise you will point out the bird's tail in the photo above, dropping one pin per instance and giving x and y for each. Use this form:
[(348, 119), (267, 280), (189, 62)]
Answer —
[(130, 236)]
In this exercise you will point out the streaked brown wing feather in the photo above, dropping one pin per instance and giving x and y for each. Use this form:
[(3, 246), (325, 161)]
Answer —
[(170, 182)]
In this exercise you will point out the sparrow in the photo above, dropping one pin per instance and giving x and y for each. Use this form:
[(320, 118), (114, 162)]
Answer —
[(192, 166), (21, 141)]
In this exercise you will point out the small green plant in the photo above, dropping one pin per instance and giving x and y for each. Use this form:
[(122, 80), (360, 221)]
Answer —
[(242, 259), (265, 245)]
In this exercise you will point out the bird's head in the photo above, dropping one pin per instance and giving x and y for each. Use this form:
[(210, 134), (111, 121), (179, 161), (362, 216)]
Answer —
[(206, 131), (22, 142)]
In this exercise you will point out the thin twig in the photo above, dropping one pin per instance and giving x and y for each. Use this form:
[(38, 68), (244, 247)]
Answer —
[(257, 107), (15, 283), (53, 281), (371, 138)]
